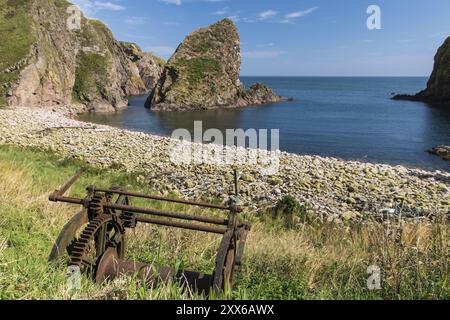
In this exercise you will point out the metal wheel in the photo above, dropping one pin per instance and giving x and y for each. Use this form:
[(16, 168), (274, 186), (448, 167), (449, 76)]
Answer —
[(68, 235), (225, 263), (102, 232)]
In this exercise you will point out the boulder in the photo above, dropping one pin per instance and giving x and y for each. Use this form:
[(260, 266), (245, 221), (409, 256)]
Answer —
[(441, 151)]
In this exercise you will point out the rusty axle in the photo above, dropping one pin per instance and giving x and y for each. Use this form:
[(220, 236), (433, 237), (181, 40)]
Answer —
[(181, 225), (66, 185), (167, 214), (152, 197)]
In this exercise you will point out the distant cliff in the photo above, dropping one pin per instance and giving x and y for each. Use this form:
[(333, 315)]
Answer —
[(438, 87), (204, 72), (43, 63)]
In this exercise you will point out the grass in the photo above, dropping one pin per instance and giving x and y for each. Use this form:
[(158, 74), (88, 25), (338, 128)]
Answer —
[(89, 76), (158, 60), (305, 261), (16, 39), (199, 68)]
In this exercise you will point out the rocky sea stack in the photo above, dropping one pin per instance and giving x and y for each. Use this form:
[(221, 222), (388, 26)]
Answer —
[(204, 72), (438, 87), (44, 62)]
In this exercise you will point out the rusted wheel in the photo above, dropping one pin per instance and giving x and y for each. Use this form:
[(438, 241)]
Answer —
[(225, 264), (102, 232), (68, 235)]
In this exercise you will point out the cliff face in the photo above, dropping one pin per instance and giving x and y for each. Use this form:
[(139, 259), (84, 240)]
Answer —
[(438, 87), (46, 64), (149, 66), (204, 72)]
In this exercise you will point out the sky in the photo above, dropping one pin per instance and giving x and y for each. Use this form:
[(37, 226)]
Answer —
[(292, 37)]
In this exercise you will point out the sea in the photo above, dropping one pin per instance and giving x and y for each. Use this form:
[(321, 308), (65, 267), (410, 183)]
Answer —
[(351, 118)]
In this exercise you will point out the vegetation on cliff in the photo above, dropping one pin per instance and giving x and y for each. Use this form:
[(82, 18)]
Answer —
[(16, 40), (43, 63), (438, 86), (89, 76), (204, 71)]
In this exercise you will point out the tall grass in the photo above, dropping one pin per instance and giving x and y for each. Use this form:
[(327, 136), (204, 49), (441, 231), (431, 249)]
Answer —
[(302, 261)]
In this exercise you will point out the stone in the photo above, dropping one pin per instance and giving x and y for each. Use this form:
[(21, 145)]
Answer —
[(275, 181), (259, 94), (423, 192), (441, 151)]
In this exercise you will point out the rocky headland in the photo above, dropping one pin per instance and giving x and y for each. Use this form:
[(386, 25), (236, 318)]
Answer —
[(203, 73), (45, 62), (438, 86)]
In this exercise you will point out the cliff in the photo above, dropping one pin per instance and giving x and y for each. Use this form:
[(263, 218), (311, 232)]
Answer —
[(46, 63), (438, 87), (204, 72)]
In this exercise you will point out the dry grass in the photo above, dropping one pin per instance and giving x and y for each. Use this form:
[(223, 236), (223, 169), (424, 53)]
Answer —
[(321, 261)]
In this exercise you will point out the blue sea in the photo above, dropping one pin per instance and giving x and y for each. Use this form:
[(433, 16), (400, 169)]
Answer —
[(345, 117)]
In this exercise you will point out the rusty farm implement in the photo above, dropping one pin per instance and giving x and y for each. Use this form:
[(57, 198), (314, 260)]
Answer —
[(95, 237)]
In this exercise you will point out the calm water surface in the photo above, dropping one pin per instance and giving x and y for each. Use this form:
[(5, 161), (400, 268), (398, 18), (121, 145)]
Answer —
[(350, 118)]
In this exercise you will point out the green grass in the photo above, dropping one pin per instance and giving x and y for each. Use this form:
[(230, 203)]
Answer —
[(16, 39), (89, 76), (197, 69), (304, 261), (159, 61)]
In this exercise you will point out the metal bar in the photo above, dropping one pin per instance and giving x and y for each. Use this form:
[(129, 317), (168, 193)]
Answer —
[(56, 198), (166, 214), (182, 225), (236, 186), (66, 185), (145, 196)]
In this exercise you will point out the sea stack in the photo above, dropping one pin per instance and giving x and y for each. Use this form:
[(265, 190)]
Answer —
[(204, 73), (438, 87)]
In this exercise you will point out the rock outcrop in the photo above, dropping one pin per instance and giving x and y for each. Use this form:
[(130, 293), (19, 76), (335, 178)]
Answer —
[(48, 63), (441, 151), (438, 87), (150, 67), (259, 94), (204, 72)]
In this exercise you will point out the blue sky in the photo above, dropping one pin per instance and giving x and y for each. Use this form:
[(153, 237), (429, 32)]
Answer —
[(293, 37)]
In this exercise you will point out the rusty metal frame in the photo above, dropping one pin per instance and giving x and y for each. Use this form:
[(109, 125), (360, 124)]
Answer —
[(98, 203)]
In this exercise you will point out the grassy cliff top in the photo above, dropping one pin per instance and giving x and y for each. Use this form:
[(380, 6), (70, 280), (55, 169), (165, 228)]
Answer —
[(16, 40)]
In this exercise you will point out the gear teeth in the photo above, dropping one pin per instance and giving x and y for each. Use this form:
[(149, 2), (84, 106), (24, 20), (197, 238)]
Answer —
[(80, 246), (96, 205)]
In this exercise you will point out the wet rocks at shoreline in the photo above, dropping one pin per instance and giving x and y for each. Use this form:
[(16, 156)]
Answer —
[(441, 151)]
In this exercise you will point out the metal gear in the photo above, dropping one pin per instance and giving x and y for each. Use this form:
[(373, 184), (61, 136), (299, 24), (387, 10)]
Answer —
[(96, 207), (113, 237)]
